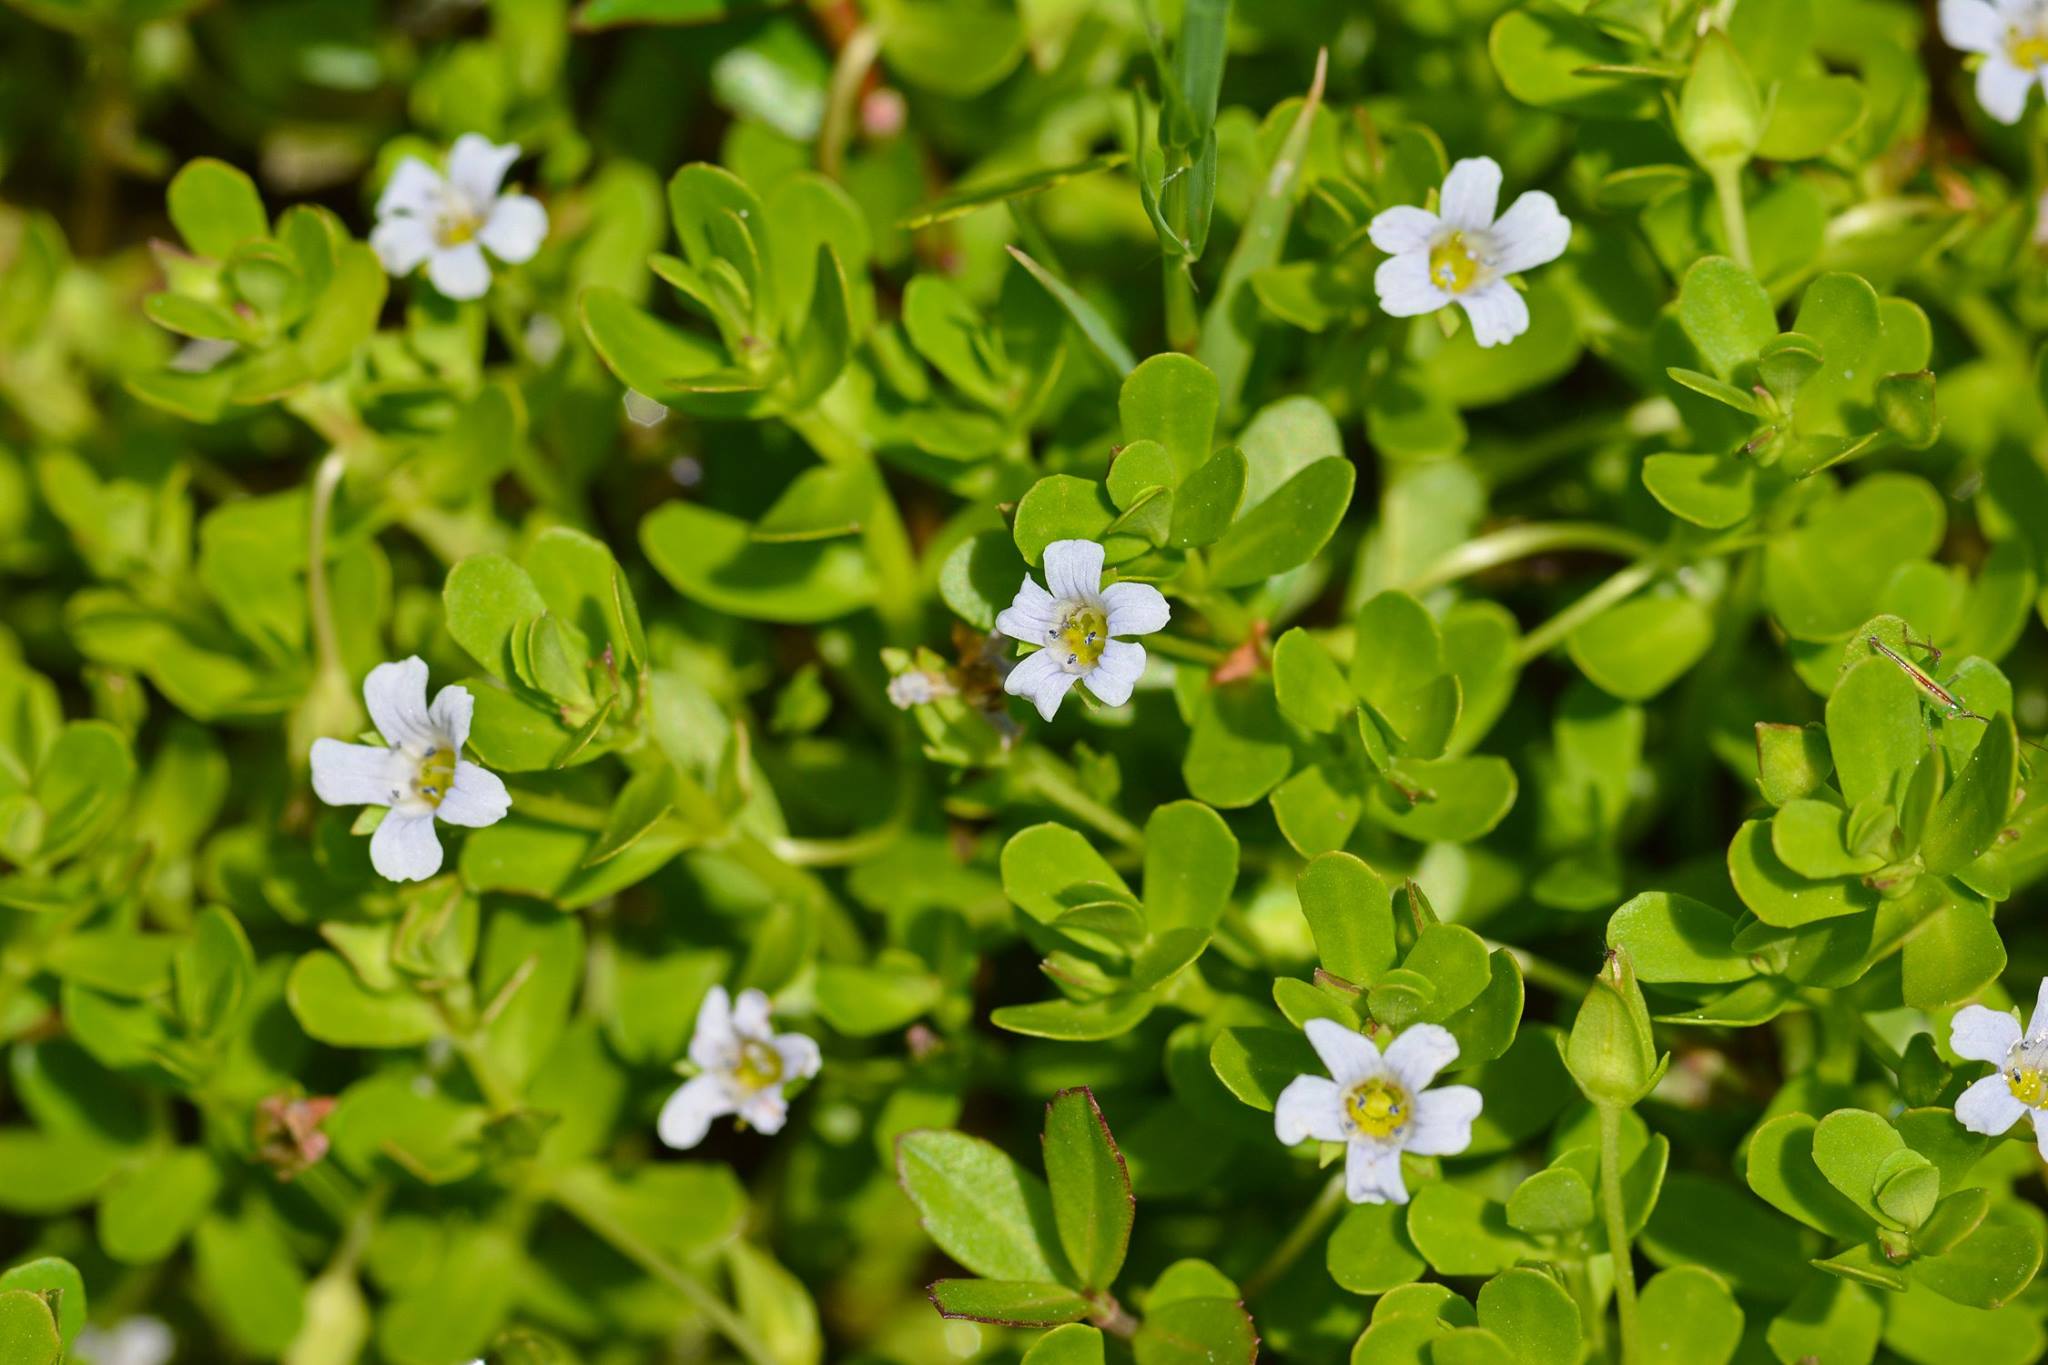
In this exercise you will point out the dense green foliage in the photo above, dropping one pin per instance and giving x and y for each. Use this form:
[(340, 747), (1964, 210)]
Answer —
[(1543, 516)]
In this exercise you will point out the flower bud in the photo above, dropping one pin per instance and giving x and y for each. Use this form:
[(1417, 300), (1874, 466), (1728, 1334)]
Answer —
[(1720, 114), (1611, 1053)]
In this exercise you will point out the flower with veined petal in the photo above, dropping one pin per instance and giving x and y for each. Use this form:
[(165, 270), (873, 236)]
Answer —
[(2020, 1085), (2011, 37), (1075, 624), (742, 1066), (448, 221)]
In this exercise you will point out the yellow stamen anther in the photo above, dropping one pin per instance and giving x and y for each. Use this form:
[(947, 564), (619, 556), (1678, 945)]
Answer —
[(2029, 1085), (1379, 1107), (1083, 634), (436, 776), (760, 1065), (1452, 267), (2027, 50)]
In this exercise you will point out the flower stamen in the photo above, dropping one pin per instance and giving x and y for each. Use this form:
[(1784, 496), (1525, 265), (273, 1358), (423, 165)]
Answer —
[(1379, 1107), (1083, 632), (760, 1065), (435, 776), (1452, 266)]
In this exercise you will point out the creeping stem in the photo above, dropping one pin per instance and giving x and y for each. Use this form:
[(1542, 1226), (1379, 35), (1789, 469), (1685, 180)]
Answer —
[(1520, 542)]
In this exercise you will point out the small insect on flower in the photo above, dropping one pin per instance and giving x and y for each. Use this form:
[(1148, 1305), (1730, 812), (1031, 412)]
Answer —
[(2020, 1085), (448, 221), (2011, 38), (1378, 1106), (1463, 255), (742, 1067), (1075, 625), (419, 772)]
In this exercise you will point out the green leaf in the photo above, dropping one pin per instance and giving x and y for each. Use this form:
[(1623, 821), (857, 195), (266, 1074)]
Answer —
[(1636, 650), (61, 1288), (1688, 1317), (1008, 1303), (1715, 491), (1309, 686), (252, 1281), (1972, 813), (212, 972), (487, 597), (1727, 315), (332, 1005), (216, 208), (1190, 867), (1091, 1189), (1207, 500), (713, 559), (1779, 896), (1782, 1171), (1552, 1201), (1876, 732), (1670, 937), (1369, 1251), (1287, 529), (1350, 914), (1457, 799), (1792, 761), (28, 1332), (1171, 399), (1240, 747), (1204, 1331), (1830, 1318), (1532, 1315), (1077, 1344), (983, 1209), (1256, 1064), (1995, 1262), (149, 1210)]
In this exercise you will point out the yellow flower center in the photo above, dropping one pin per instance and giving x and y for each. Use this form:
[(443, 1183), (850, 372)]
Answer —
[(2027, 50), (1083, 634), (456, 223), (760, 1065), (1379, 1107), (2029, 1085), (436, 775), (1451, 264)]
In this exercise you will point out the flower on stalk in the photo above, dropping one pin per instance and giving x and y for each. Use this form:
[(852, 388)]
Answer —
[(2011, 36), (448, 221), (1378, 1106), (2020, 1085), (418, 771), (1461, 254), (742, 1066), (1075, 625)]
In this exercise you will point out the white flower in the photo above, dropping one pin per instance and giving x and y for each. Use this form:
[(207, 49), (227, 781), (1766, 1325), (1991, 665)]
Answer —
[(1378, 1106), (447, 222), (916, 686), (1463, 255), (2020, 1085), (1075, 625), (421, 776), (131, 1341), (2012, 36), (742, 1066)]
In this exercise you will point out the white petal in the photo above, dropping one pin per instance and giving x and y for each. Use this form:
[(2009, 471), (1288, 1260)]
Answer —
[(357, 774), (2037, 1023), (450, 714), (713, 1042), (1531, 233), (1471, 193), (405, 847), (1348, 1054), (1971, 25), (1404, 228), (396, 695), (1116, 672), (750, 1015), (477, 166), (1310, 1107), (1497, 311), (800, 1056), (2002, 88), (1032, 616), (414, 188), (1978, 1034), (1989, 1107), (1073, 570), (1041, 679), (515, 229), (1443, 1121), (686, 1115), (460, 272), (1405, 288), (2040, 1121), (477, 797), (1418, 1054), (1135, 608), (765, 1110), (401, 243), (1372, 1174)]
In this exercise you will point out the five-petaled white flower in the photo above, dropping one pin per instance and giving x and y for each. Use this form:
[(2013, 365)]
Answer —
[(419, 773), (131, 1341), (1379, 1107), (448, 221), (742, 1066), (1462, 255), (1075, 626), (2020, 1085), (2012, 36)]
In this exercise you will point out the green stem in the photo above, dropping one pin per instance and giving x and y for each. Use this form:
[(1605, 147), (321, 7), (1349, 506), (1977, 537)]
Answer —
[(1560, 981), (1183, 327), (1617, 1231), (1311, 1226), (1191, 651), (1734, 219), (1541, 640), (1052, 779), (627, 1243), (557, 810), (1521, 542), (849, 73)]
